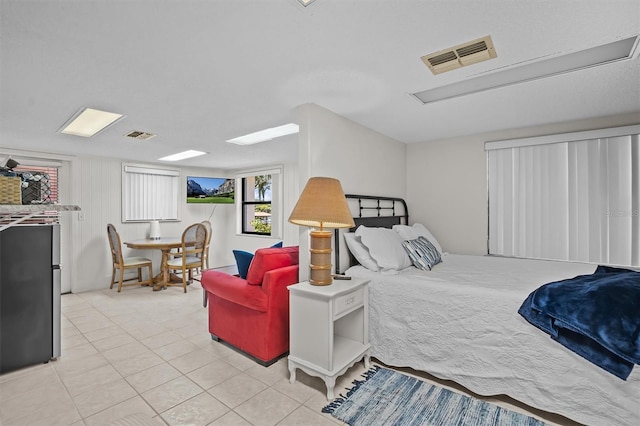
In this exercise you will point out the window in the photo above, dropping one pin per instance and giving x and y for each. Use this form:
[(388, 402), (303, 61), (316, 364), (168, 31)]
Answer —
[(256, 204), (149, 193), (569, 197), (260, 202), (39, 184)]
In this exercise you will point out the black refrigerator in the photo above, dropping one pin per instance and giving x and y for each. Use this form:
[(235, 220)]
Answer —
[(29, 295)]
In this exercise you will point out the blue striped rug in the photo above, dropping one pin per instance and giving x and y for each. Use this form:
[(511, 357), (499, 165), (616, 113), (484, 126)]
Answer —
[(386, 397)]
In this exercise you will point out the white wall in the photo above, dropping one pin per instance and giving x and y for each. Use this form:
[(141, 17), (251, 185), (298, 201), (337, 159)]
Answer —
[(97, 190), (96, 185), (365, 162), (289, 235), (444, 183), (447, 181)]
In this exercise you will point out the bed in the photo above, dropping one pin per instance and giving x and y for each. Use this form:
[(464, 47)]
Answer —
[(460, 321)]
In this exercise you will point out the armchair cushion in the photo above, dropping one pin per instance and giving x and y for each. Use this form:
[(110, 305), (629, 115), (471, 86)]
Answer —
[(268, 259), (244, 258)]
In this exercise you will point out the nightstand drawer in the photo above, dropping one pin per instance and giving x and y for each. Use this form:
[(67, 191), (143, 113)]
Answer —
[(348, 301)]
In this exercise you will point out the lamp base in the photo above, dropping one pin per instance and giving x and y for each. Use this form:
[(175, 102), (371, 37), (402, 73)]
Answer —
[(320, 261)]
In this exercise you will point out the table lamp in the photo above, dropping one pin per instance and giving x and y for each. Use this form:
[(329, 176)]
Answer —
[(321, 205), (154, 230)]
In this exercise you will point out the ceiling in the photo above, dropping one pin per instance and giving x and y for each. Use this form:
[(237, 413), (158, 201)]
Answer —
[(197, 73)]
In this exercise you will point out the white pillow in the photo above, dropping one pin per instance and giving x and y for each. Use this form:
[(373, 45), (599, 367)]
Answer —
[(385, 247), (406, 232), (360, 252), (415, 231)]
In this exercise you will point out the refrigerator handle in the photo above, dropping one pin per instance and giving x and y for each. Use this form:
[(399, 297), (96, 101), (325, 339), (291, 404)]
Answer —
[(55, 244), (57, 313)]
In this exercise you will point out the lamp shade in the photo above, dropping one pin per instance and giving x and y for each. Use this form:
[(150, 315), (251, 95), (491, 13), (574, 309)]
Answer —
[(322, 204)]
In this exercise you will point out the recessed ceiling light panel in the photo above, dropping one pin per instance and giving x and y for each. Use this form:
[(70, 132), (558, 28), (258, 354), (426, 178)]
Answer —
[(182, 155), (266, 134), (88, 122), (599, 55)]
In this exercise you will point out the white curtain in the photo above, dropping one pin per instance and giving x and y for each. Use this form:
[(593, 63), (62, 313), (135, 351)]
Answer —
[(149, 193), (577, 200)]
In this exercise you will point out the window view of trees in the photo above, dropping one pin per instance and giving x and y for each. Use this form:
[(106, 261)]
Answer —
[(256, 204), (263, 184), (262, 223)]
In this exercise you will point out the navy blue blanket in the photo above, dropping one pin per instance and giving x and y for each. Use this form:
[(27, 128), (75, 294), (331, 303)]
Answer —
[(597, 316)]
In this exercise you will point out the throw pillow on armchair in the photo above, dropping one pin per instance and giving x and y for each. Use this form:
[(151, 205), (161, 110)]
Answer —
[(244, 258)]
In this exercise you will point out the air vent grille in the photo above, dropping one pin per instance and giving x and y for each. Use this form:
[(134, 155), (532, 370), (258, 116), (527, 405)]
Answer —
[(472, 48), (460, 56), (142, 136), (441, 59)]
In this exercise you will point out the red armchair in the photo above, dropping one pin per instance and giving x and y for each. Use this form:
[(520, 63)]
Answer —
[(252, 315)]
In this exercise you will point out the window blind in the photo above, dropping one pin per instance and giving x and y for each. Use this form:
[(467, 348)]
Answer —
[(577, 200), (149, 193)]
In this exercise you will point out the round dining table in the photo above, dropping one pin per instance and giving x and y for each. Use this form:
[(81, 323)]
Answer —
[(165, 245)]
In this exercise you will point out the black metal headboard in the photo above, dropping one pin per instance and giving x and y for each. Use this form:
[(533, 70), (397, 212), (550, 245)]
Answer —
[(372, 211)]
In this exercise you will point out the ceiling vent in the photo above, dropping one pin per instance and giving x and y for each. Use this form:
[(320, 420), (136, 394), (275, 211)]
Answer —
[(141, 136), (460, 56), (618, 50)]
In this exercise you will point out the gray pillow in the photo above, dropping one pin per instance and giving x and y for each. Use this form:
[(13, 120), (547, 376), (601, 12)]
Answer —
[(422, 253)]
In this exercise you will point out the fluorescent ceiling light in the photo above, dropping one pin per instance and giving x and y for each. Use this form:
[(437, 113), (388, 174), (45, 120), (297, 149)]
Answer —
[(88, 121), (266, 134), (182, 155), (618, 50)]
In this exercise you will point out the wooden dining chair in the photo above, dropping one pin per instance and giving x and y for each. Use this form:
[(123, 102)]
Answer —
[(190, 256), (122, 264), (207, 226)]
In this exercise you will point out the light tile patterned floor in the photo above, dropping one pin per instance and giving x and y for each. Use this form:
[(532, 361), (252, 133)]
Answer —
[(150, 353)]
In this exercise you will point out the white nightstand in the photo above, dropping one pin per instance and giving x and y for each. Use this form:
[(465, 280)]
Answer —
[(329, 329)]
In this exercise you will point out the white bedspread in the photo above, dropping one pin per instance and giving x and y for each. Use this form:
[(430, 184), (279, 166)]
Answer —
[(460, 322)]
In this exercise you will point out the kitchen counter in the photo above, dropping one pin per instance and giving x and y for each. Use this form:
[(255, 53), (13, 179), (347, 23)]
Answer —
[(36, 208)]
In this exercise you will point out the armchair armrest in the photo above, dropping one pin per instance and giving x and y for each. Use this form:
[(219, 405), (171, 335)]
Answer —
[(276, 281), (235, 289)]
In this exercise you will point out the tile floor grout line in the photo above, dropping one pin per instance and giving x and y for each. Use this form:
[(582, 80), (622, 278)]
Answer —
[(110, 363), (138, 394), (88, 310)]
